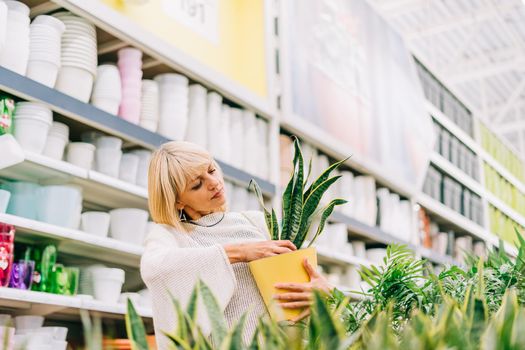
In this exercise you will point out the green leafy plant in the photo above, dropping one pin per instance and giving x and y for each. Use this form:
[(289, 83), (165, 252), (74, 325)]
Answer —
[(300, 203), (135, 328), (478, 307)]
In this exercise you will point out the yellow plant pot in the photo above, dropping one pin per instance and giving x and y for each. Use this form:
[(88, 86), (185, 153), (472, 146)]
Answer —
[(281, 268)]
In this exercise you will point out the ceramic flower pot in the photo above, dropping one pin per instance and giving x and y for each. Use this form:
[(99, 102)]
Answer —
[(282, 268)]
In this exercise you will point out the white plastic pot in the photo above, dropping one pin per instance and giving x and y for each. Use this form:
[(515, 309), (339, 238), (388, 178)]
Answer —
[(28, 322), (107, 284), (75, 82), (31, 133), (95, 222), (81, 154), (58, 333), (43, 72), (128, 224), (55, 146), (129, 165), (4, 201), (107, 161), (59, 205)]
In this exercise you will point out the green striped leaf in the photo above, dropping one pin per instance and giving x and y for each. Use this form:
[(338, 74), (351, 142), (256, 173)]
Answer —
[(254, 345), (135, 328), (178, 342), (293, 218), (191, 309), (218, 328), (327, 211), (330, 331), (275, 227), (260, 198), (234, 339), (309, 172), (311, 204), (324, 176)]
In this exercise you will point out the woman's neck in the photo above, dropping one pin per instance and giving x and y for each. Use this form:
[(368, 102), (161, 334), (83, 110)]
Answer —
[(196, 215)]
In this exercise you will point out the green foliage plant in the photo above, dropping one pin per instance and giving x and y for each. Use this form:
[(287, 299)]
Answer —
[(300, 203)]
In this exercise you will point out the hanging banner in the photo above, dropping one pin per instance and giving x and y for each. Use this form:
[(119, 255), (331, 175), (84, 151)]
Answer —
[(225, 35), (350, 74)]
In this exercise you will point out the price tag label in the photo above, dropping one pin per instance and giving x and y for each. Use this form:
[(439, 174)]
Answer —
[(202, 16)]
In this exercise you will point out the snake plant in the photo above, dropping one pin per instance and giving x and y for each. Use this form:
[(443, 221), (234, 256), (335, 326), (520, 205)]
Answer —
[(300, 203)]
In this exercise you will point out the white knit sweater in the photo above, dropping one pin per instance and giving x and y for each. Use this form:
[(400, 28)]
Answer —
[(173, 262)]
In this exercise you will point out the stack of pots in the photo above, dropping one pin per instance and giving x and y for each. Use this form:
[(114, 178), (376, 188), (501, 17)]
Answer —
[(59, 205), (263, 150), (45, 49), (173, 95), (79, 57), (237, 137), (3, 24), (142, 171), (195, 132), (32, 122), (213, 117), (57, 139), (107, 92), (130, 68), (81, 154), (17, 37), (149, 112), (251, 145), (22, 200), (225, 134), (108, 155), (104, 283), (129, 166), (128, 224)]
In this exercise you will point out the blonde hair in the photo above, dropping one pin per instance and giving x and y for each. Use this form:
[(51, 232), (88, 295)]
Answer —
[(171, 169)]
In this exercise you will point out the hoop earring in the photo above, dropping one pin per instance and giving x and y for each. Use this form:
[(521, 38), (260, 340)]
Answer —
[(182, 215)]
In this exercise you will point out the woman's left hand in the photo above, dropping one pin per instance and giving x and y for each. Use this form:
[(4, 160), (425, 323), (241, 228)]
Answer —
[(300, 295)]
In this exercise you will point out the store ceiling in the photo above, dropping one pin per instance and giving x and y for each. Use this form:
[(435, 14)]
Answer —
[(476, 48)]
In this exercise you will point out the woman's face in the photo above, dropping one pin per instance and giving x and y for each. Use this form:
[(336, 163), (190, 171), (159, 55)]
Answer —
[(204, 194)]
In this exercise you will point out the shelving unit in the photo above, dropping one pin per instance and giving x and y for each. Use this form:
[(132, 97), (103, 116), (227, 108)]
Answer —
[(75, 242), (39, 303), (115, 32), (91, 116)]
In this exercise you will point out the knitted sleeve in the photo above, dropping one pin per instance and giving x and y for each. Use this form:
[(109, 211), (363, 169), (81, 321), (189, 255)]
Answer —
[(170, 267)]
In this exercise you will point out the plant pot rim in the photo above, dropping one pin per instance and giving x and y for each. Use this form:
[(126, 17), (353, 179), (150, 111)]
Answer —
[(286, 254)]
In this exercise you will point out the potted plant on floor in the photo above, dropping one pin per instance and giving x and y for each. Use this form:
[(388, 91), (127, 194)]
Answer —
[(300, 208)]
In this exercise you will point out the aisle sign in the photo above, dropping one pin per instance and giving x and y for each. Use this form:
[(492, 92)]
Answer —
[(350, 75), (202, 16), (227, 36)]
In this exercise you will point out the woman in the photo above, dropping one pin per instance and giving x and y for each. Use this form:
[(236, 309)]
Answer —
[(197, 239)]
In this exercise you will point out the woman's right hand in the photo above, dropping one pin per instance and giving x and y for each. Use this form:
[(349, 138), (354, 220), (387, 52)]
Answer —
[(246, 252)]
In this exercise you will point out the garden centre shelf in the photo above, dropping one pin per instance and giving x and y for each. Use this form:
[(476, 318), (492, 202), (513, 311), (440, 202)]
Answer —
[(24, 302), (121, 32), (338, 150), (329, 256), (441, 163), (460, 222), (504, 208), (474, 146), (450, 169), (377, 235), (97, 188), (452, 128), (75, 242), (503, 171), (87, 114)]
